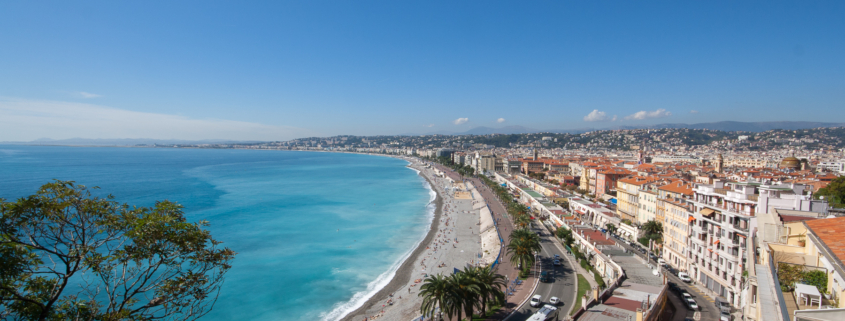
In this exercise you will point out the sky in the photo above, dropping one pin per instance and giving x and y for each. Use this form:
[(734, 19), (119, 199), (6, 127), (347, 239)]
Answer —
[(278, 70)]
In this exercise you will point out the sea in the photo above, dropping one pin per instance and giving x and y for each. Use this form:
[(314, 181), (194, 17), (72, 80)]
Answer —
[(316, 233)]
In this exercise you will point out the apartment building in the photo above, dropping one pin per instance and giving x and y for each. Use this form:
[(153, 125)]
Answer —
[(627, 196), (723, 216), (676, 231), (647, 211)]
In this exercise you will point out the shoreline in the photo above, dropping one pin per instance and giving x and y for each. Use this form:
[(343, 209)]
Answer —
[(405, 271)]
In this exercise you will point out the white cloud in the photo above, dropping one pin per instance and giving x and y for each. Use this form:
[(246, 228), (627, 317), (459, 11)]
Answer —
[(460, 121), (500, 120), (660, 113), (693, 112), (429, 125), (83, 94), (26, 120), (614, 118), (596, 115)]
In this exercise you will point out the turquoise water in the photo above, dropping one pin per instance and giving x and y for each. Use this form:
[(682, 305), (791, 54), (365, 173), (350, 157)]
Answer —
[(316, 233)]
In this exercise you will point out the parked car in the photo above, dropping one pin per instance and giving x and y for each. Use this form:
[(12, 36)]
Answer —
[(684, 277), (661, 261), (535, 300), (691, 304), (723, 306), (724, 316), (554, 301)]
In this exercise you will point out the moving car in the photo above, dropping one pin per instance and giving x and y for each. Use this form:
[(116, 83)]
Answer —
[(557, 262), (686, 295), (684, 277), (546, 277), (724, 316), (535, 300), (554, 301)]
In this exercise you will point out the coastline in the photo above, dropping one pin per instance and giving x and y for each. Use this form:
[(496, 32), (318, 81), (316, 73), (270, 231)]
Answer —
[(405, 271)]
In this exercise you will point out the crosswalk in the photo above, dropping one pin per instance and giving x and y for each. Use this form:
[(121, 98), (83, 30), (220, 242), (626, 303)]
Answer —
[(701, 295)]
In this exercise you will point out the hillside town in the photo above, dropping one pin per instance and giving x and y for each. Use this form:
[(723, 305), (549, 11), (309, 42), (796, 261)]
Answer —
[(747, 220)]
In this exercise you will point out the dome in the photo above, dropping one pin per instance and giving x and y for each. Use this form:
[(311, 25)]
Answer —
[(790, 162)]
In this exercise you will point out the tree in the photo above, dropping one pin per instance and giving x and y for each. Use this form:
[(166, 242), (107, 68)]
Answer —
[(816, 278), (435, 294), (653, 227), (521, 247), (611, 228), (788, 274), (522, 221), (462, 291), (130, 263), (834, 192)]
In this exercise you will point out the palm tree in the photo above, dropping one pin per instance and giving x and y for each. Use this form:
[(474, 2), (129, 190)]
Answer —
[(522, 221), (463, 293), (611, 228), (522, 246), (490, 285), (653, 227), (435, 293)]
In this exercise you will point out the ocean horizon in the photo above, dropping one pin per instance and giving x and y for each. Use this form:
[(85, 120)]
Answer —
[(316, 233)]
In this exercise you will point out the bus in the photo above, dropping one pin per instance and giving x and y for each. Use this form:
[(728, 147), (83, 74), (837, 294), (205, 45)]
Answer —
[(547, 313)]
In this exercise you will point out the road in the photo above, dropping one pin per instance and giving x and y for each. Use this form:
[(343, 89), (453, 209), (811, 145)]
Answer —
[(564, 279), (707, 306)]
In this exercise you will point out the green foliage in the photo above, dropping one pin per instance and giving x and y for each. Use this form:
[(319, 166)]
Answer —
[(462, 292), (788, 275), (643, 240), (583, 287), (627, 222), (168, 268), (834, 192), (522, 246), (611, 228), (585, 264), (599, 280), (816, 278)]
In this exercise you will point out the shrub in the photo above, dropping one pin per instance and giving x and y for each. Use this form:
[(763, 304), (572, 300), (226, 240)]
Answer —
[(817, 279), (599, 280)]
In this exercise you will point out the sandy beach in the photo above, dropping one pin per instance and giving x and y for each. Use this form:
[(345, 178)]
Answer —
[(453, 242)]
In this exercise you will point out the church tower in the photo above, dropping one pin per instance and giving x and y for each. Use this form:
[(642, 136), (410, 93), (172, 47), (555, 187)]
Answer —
[(720, 163)]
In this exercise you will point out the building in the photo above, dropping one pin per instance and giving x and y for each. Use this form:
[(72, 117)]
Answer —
[(627, 196), (723, 216)]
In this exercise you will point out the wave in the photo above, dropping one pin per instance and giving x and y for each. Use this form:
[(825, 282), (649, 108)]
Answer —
[(359, 299)]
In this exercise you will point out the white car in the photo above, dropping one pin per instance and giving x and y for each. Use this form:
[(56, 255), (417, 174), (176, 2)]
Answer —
[(724, 316), (554, 301), (692, 305), (684, 277), (686, 296), (535, 300)]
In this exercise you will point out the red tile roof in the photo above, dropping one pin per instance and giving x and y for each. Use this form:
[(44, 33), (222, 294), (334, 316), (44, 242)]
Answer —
[(830, 231)]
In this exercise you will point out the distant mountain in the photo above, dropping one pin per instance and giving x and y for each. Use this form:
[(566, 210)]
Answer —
[(504, 130), (728, 126), (121, 142)]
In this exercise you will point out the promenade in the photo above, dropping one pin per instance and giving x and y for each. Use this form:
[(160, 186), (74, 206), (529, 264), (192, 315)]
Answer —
[(520, 292)]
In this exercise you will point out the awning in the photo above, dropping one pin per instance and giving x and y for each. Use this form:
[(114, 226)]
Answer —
[(716, 243), (690, 219), (711, 250), (707, 211), (743, 236)]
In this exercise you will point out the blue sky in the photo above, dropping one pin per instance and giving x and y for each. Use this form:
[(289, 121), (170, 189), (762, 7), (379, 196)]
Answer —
[(278, 70)]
